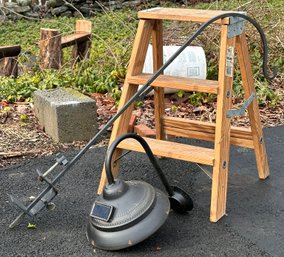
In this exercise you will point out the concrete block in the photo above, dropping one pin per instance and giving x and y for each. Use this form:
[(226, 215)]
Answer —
[(65, 114)]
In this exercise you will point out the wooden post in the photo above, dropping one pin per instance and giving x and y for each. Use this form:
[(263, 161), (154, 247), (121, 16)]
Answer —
[(10, 66), (82, 50), (10, 54), (50, 48)]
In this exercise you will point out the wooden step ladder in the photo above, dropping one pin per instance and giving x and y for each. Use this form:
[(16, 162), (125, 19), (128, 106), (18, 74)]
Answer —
[(222, 134)]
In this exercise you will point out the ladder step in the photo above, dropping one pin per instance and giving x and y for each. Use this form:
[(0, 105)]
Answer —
[(182, 14), (181, 83), (205, 131), (172, 150)]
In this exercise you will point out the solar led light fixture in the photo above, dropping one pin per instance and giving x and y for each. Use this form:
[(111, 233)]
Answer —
[(127, 212)]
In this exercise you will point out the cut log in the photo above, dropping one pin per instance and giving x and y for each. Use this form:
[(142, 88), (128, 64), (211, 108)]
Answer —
[(50, 48)]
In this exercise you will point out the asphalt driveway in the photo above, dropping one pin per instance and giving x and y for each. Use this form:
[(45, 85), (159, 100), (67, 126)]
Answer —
[(254, 225)]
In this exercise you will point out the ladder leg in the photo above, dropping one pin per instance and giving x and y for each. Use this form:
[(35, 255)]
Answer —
[(222, 132), (253, 110), (135, 67), (157, 42)]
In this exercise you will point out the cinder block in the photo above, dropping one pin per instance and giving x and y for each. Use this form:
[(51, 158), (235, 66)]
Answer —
[(65, 114)]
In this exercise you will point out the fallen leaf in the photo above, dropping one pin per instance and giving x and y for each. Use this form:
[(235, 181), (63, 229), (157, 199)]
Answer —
[(31, 226), (23, 117)]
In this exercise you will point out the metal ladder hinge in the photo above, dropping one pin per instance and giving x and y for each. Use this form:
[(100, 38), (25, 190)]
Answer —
[(236, 27), (239, 112)]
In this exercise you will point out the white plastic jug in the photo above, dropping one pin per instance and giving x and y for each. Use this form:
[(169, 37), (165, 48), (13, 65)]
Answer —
[(190, 63)]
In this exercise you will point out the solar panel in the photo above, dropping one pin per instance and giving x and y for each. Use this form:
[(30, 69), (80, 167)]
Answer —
[(101, 211)]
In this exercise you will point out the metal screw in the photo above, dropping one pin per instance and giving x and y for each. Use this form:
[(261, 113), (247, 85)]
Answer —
[(228, 94), (224, 165)]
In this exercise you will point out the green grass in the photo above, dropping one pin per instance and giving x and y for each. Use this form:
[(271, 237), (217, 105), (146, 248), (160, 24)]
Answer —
[(112, 38)]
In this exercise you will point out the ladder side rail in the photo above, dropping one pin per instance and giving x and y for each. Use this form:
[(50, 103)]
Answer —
[(253, 110), (159, 110), (222, 132)]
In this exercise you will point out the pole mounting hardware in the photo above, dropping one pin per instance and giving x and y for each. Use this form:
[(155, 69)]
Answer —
[(60, 160), (43, 199)]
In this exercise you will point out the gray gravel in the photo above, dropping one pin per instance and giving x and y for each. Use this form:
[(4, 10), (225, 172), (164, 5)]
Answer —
[(254, 225)]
